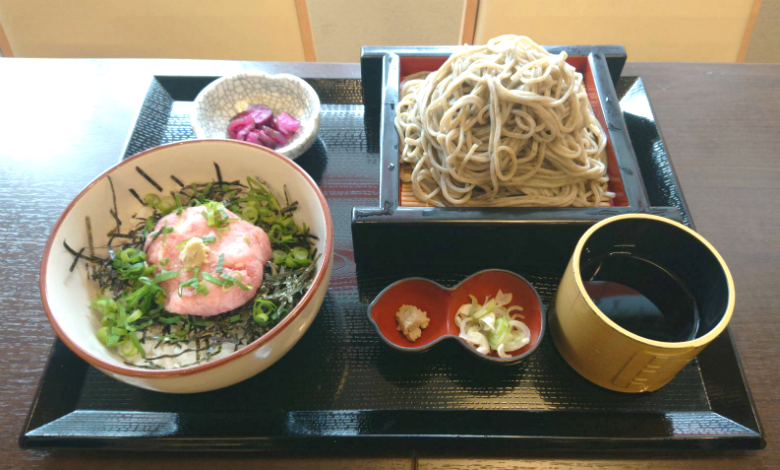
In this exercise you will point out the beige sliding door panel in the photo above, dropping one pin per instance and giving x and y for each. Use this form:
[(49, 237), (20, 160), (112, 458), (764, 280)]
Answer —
[(342, 27), (202, 29), (657, 30)]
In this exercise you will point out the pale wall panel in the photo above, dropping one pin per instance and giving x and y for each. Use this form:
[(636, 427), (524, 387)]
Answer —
[(341, 27), (765, 42), (657, 30), (203, 29)]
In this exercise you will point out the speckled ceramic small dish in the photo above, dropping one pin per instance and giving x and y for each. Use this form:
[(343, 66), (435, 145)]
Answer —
[(441, 304), (216, 104)]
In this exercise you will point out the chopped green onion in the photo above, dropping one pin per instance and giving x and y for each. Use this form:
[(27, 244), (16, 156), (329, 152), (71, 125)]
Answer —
[(169, 320), (215, 280), (102, 334), (201, 289), (132, 255), (262, 309), (220, 262), (164, 231), (266, 216), (194, 282), (235, 318), (486, 309), (152, 199), (165, 275), (167, 204), (279, 256), (134, 316), (215, 214), (128, 349), (497, 337), (300, 254), (137, 345), (275, 234), (249, 214), (236, 280), (492, 326), (289, 260), (104, 305)]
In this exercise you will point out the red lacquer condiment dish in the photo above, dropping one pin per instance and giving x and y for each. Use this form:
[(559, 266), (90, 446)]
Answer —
[(442, 304)]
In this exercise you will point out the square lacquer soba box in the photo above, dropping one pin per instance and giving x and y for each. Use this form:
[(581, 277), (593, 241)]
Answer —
[(399, 215)]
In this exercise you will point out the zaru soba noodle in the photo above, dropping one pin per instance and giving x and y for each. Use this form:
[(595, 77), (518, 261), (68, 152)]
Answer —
[(504, 124)]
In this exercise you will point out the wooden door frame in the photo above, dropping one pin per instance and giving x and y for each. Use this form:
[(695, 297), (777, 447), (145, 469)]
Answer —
[(304, 24), (468, 21), (5, 46), (748, 35)]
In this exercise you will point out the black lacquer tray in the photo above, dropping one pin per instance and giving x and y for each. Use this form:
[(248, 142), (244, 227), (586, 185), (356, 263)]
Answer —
[(341, 388)]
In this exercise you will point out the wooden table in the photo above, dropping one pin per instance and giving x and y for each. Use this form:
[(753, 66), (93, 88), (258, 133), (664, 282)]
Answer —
[(62, 122)]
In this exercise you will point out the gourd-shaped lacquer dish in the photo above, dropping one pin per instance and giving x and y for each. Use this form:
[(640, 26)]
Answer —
[(441, 306)]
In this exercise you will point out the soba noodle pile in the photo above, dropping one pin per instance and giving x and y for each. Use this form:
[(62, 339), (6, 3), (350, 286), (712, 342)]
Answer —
[(504, 124)]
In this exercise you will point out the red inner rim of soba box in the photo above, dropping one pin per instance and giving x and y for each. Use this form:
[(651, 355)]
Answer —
[(410, 65)]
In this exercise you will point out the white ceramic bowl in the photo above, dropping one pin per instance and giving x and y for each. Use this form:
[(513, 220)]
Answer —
[(222, 99), (66, 295)]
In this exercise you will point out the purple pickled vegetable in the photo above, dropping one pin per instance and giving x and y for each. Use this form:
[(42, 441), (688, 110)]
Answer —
[(281, 131), (258, 125), (261, 114), (253, 137), (286, 124), (239, 122), (275, 135), (244, 131), (267, 141)]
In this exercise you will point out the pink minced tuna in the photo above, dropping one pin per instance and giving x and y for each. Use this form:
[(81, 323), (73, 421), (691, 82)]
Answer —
[(246, 250)]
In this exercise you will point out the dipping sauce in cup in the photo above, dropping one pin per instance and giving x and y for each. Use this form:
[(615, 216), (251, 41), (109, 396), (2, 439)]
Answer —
[(641, 297)]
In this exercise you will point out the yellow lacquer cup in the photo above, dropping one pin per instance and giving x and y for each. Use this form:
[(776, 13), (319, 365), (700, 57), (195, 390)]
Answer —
[(612, 356)]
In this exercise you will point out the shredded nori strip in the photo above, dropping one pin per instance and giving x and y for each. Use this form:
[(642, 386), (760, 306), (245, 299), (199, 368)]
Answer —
[(76, 259), (114, 212), (149, 178), (90, 243), (135, 194), (177, 181), (219, 173), (82, 256)]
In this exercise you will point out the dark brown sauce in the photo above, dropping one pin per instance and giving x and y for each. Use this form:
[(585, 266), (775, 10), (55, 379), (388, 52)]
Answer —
[(642, 297)]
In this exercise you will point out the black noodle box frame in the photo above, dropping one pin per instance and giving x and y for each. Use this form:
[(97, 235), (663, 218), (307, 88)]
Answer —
[(551, 231)]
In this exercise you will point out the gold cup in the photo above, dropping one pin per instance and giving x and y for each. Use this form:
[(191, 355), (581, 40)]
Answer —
[(610, 355)]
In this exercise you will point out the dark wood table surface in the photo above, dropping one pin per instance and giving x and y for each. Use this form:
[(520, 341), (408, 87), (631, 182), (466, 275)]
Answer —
[(62, 122)]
